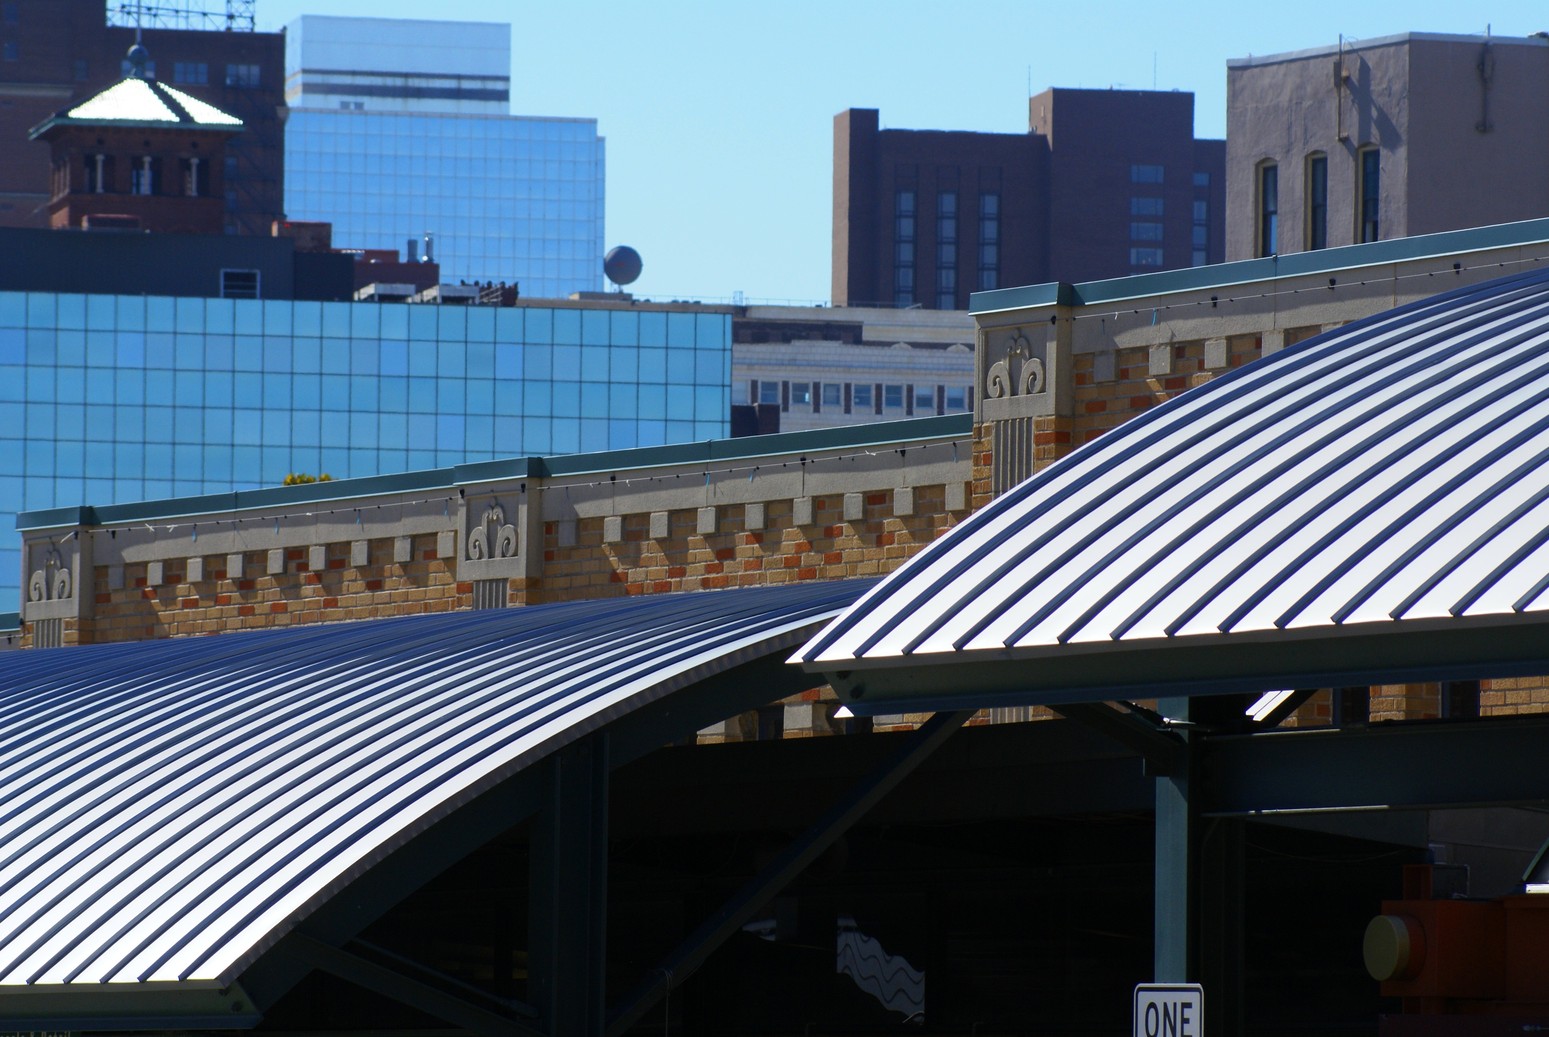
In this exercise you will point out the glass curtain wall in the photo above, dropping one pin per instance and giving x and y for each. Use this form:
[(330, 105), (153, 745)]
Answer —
[(109, 399)]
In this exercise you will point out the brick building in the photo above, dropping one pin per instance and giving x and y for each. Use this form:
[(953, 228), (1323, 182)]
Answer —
[(1105, 183), (59, 52), (139, 155)]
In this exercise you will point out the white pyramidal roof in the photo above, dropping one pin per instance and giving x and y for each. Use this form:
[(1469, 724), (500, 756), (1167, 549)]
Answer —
[(1393, 474), (142, 100)]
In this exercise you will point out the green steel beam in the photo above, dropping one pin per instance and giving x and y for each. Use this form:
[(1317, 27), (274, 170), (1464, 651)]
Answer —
[(1408, 765), (1401, 652), (737, 911), (405, 990)]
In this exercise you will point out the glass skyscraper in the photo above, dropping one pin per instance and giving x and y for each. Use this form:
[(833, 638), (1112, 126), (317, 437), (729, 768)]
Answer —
[(401, 129), (108, 398)]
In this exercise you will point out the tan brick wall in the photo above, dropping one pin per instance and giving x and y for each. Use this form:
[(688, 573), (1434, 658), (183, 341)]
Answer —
[(734, 556), (253, 599), (830, 548), (1101, 405)]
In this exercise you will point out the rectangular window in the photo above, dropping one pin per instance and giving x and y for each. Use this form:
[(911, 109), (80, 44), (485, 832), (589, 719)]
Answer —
[(82, 70), (10, 12), (833, 395), (1145, 232), (1201, 179), (925, 399), (1145, 174), (142, 176), (194, 72), (196, 177), (239, 284), (861, 398), (1317, 202), (1269, 208), (801, 394), (946, 288), (1371, 192), (893, 397), (957, 397), (1145, 206), (11, 51), (768, 392), (946, 250), (903, 248), (989, 242), (1201, 233), (1145, 257), (243, 75)]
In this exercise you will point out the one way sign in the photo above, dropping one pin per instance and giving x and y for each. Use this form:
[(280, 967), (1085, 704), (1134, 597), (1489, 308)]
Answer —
[(1169, 1010)]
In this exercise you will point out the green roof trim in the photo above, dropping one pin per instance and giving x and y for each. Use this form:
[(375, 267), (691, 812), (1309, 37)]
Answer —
[(909, 430), (10, 620), (1054, 293), (1248, 271), (240, 500)]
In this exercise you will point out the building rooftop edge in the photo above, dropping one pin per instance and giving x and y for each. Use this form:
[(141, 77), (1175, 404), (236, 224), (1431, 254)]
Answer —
[(809, 441), (396, 21), (1247, 271), (1380, 41)]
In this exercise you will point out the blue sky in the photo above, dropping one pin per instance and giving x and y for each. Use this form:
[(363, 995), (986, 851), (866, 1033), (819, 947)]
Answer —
[(719, 115)]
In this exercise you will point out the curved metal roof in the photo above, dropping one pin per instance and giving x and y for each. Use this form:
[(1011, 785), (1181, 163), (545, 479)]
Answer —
[(1391, 475), (168, 809)]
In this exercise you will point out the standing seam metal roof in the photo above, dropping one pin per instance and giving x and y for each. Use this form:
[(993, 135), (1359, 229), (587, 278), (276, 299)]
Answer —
[(168, 809), (1394, 470)]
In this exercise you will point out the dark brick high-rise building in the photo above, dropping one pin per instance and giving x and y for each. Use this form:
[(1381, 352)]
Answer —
[(1105, 183), (55, 52)]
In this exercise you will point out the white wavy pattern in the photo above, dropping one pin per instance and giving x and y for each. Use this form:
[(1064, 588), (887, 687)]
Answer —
[(1393, 470), (889, 978), (169, 808)]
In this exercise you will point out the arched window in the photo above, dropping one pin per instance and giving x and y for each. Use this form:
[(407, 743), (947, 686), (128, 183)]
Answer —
[(1316, 182), (1268, 182), (1368, 164)]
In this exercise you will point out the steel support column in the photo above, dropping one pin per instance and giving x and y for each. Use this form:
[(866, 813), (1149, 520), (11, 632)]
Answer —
[(568, 887), (1222, 866), (1174, 950)]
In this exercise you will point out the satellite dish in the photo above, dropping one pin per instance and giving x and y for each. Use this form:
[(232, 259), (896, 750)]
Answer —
[(622, 265)]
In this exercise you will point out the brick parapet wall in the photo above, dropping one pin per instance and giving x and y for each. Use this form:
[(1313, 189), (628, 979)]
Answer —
[(256, 598), (846, 535), (781, 550)]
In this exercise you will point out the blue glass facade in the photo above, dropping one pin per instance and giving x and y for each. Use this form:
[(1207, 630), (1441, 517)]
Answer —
[(506, 198), (121, 398)]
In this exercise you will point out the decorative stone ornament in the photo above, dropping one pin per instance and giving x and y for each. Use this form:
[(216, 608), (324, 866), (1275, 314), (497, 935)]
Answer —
[(1030, 375), (53, 582), (493, 537)]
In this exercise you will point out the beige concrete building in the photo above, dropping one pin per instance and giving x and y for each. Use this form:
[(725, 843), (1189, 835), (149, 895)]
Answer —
[(851, 365), (1370, 140)]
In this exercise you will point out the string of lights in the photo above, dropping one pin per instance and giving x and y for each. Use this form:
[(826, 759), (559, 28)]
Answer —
[(752, 470), (1333, 285)]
